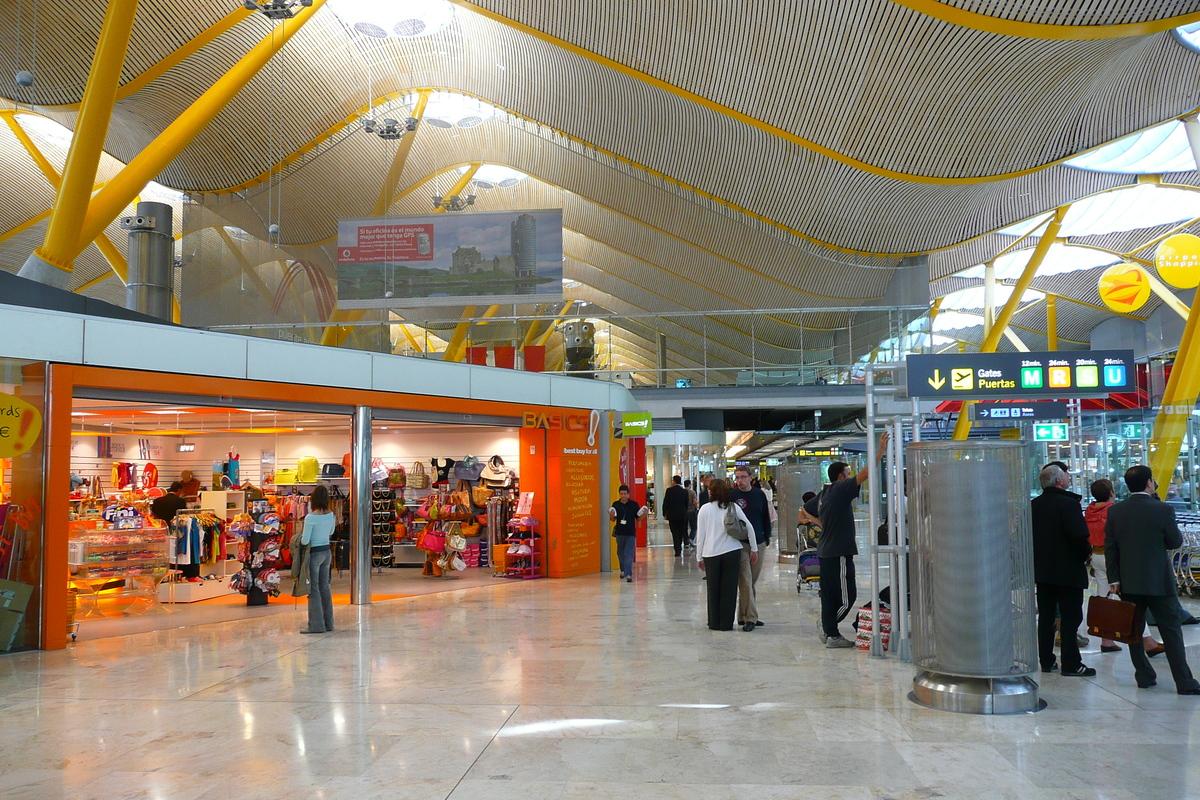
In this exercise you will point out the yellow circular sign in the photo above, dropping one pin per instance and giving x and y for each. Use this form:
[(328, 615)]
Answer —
[(1124, 288), (1178, 260), (20, 426)]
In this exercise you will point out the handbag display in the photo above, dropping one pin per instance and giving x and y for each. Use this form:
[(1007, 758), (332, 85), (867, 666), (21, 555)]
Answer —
[(480, 495), (379, 471), (1119, 620), (333, 471), (470, 528), (418, 478), (735, 526), (285, 477), (397, 477), (495, 475), (469, 469), (432, 541), (308, 469)]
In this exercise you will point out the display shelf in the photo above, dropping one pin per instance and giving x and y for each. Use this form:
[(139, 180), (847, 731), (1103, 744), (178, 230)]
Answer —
[(524, 566), (121, 567)]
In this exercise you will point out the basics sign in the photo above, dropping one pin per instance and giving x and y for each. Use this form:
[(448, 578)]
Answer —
[(969, 376)]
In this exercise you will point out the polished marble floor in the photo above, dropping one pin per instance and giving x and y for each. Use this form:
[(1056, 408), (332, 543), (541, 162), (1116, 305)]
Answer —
[(571, 689)]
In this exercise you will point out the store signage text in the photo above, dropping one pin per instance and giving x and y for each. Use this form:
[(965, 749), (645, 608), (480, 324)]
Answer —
[(555, 422), (631, 424), (20, 426), (1021, 375)]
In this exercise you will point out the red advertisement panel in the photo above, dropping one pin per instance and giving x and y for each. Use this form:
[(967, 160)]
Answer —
[(389, 243)]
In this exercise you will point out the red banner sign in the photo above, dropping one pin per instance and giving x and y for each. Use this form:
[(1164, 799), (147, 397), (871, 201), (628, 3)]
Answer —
[(389, 243)]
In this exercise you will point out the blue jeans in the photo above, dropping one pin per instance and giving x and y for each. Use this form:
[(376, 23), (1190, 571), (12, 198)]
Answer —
[(626, 546), (320, 600)]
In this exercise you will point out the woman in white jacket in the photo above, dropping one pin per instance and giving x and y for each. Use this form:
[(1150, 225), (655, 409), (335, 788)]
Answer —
[(720, 555)]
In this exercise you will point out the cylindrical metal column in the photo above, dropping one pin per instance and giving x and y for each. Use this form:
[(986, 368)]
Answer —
[(151, 256), (973, 615), (360, 508), (605, 440)]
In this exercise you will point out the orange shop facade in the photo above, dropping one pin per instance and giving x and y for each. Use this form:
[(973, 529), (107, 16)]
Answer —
[(562, 450)]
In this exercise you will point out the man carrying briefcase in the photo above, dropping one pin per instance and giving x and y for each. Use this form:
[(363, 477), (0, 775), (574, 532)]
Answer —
[(1139, 534)]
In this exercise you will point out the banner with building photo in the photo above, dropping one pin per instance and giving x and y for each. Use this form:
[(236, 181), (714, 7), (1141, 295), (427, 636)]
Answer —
[(462, 258)]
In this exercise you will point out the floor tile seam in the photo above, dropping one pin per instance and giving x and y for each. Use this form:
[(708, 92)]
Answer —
[(248, 670), (491, 741)]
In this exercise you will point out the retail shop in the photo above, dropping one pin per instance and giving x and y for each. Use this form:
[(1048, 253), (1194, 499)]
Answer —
[(458, 489)]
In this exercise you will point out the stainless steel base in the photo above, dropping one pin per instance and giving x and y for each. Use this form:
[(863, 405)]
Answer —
[(1017, 695)]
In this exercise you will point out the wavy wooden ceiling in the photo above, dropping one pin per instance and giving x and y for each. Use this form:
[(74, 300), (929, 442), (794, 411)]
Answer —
[(862, 124)]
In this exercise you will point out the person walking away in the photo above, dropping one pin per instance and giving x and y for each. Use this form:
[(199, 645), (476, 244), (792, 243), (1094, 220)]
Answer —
[(1061, 549), (833, 509), (705, 480), (720, 555), (675, 504), (693, 510), (318, 527), (1139, 535), (757, 509), (1096, 515), (625, 513)]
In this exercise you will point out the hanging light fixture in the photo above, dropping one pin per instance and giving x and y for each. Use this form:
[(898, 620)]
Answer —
[(453, 202), (390, 129), (278, 9)]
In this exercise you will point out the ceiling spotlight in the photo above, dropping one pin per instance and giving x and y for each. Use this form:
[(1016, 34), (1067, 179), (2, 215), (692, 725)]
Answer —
[(453, 202), (390, 129), (278, 9)]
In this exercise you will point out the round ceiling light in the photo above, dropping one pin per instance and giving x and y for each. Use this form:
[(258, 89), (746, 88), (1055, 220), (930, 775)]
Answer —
[(403, 19)]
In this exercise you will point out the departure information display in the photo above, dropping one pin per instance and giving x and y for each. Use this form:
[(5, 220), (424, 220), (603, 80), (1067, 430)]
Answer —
[(997, 376)]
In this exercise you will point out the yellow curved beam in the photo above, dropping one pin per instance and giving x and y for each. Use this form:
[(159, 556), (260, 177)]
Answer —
[(766, 127), (1034, 30)]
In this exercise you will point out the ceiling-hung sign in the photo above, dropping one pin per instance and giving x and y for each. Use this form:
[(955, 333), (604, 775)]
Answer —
[(1177, 260), (1024, 376), (1124, 288)]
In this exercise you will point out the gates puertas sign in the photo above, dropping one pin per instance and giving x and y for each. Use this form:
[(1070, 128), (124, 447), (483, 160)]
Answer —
[(996, 376)]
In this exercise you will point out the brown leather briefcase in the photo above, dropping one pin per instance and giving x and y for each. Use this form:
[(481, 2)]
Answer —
[(1114, 619)]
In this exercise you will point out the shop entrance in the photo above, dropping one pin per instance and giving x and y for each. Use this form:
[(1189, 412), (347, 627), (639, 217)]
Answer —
[(183, 514)]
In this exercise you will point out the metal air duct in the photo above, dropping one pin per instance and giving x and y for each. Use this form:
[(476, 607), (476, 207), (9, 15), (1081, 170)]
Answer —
[(151, 254)]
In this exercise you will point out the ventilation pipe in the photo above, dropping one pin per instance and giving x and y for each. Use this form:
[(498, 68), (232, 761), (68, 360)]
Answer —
[(151, 254)]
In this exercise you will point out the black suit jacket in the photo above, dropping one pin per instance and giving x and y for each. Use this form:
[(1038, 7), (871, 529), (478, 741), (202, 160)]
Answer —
[(1060, 539), (676, 502), (1139, 532)]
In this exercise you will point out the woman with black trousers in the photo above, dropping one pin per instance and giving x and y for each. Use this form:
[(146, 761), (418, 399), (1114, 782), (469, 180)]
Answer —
[(720, 555)]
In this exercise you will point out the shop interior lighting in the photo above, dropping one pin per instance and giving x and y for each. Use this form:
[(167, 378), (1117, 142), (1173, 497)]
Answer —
[(1163, 148), (1059, 259), (185, 447), (401, 19), (278, 9)]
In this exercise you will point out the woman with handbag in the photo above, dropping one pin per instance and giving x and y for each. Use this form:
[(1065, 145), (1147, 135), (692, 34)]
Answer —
[(318, 527), (721, 529)]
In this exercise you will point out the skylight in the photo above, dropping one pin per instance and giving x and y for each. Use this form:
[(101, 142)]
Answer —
[(1129, 209), (1163, 148), (1189, 36), (403, 19), (491, 176), (1060, 259), (450, 109), (973, 298)]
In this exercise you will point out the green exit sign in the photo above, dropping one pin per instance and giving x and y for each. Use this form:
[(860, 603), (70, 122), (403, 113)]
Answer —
[(1132, 430), (1051, 432)]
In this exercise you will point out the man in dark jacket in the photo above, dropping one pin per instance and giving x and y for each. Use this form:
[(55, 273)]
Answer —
[(1060, 553), (675, 504), (1138, 536)]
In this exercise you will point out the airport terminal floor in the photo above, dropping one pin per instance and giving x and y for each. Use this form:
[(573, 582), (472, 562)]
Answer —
[(582, 688)]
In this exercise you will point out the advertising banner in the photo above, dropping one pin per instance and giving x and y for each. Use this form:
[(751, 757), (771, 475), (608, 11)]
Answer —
[(472, 258)]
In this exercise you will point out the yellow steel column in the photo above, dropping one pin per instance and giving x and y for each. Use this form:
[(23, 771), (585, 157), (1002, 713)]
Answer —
[(989, 297), (1051, 322), (154, 157), (963, 427), (457, 355), (401, 157), (1178, 400), (109, 250), (51, 262), (459, 335)]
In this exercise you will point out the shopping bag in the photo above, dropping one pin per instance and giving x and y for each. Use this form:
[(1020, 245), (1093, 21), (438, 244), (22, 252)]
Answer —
[(418, 478), (1111, 618)]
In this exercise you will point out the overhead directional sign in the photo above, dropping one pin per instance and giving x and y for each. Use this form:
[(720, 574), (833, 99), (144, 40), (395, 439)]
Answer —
[(1007, 412), (1050, 432), (1021, 376)]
